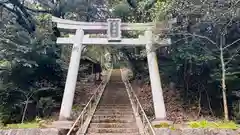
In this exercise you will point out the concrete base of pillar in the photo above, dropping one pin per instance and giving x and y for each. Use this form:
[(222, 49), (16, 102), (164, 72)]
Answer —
[(62, 124)]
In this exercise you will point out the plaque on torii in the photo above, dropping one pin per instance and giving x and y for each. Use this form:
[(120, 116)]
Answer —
[(114, 30)]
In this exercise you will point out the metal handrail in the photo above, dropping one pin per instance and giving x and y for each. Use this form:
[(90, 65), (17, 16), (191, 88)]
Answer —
[(148, 129), (93, 102)]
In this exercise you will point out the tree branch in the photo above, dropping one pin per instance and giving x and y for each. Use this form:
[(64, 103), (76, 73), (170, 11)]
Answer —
[(232, 16), (234, 55), (47, 3), (9, 9), (200, 36), (4, 2), (205, 49), (23, 92), (22, 16), (181, 39), (38, 11), (208, 51), (229, 45)]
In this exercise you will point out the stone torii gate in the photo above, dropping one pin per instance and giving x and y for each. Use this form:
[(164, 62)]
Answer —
[(113, 27)]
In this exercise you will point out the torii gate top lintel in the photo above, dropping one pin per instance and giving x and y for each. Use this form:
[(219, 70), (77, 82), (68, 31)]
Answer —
[(96, 27), (100, 26)]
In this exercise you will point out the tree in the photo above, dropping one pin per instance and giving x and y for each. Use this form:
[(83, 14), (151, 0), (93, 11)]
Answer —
[(26, 54), (28, 95), (25, 58), (24, 11), (212, 24)]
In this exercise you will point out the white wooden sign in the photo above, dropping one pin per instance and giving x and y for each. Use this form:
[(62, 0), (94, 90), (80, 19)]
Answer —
[(114, 30)]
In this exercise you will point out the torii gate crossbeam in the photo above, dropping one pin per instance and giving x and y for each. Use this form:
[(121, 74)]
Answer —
[(79, 39)]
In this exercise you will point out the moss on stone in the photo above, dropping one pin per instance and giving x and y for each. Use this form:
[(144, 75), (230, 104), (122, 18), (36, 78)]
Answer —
[(202, 124), (22, 125), (162, 125), (37, 123), (212, 124), (165, 125)]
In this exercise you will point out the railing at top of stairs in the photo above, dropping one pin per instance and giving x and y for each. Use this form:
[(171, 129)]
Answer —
[(85, 116), (137, 107)]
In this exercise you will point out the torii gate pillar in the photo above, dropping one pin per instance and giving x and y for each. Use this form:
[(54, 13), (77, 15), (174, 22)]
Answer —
[(70, 85), (157, 93)]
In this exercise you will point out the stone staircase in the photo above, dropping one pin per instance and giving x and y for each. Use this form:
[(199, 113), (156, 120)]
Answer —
[(114, 114)]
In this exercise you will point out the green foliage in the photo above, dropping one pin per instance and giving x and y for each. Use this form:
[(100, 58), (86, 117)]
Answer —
[(10, 107), (122, 11), (77, 108), (149, 4), (202, 124), (162, 125), (46, 106), (207, 124), (132, 3), (29, 70), (236, 111), (24, 12), (22, 126), (193, 60), (32, 65), (165, 125)]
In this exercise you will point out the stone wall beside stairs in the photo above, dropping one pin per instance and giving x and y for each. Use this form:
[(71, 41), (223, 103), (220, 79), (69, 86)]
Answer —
[(196, 131), (34, 131)]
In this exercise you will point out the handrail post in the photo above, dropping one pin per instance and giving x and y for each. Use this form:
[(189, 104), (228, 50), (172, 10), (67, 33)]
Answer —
[(82, 119), (137, 110)]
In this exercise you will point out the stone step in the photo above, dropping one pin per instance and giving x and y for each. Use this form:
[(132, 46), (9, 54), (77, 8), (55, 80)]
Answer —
[(115, 104), (112, 120), (85, 86), (113, 125), (110, 95), (104, 105), (96, 116), (112, 112), (114, 109), (114, 101), (112, 134), (114, 115), (114, 96), (118, 100), (113, 130)]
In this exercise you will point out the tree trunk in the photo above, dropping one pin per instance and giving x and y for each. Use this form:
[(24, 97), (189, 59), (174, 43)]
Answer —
[(224, 89), (25, 110)]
